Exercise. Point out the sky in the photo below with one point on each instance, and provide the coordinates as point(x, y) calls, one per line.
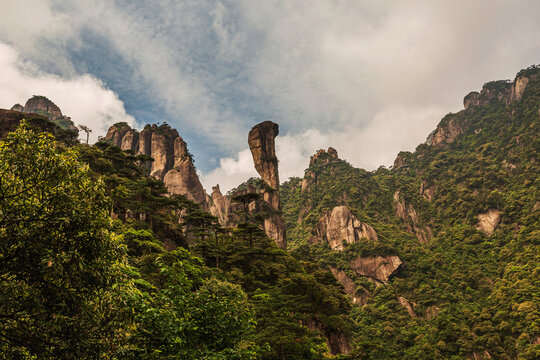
point(369, 78)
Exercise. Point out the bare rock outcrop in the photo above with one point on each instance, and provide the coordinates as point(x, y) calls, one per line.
point(172, 161)
point(41, 105)
point(262, 146)
point(379, 269)
point(407, 305)
point(340, 225)
point(518, 87)
point(336, 341)
point(447, 131)
point(412, 223)
point(358, 297)
point(488, 221)
point(503, 91)
point(220, 206)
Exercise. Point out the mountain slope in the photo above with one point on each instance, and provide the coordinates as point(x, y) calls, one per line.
point(461, 213)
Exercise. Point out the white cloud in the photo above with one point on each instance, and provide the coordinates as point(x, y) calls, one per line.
point(392, 130)
point(84, 98)
point(346, 74)
point(232, 171)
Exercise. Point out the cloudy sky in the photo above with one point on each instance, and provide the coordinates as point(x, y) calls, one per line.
point(369, 78)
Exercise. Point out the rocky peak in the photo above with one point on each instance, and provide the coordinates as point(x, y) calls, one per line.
point(17, 107)
point(323, 157)
point(41, 105)
point(220, 206)
point(262, 146)
point(505, 91)
point(172, 161)
point(340, 225)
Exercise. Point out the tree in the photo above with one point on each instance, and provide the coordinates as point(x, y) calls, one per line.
point(61, 269)
point(87, 130)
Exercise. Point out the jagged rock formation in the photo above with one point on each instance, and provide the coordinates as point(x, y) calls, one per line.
point(42, 106)
point(488, 221)
point(358, 297)
point(261, 143)
point(336, 341)
point(410, 217)
point(340, 225)
point(172, 161)
point(378, 269)
point(504, 91)
point(220, 206)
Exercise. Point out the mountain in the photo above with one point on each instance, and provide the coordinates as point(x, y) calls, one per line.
point(118, 248)
point(442, 249)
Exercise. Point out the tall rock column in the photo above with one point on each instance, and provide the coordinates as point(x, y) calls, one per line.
point(262, 146)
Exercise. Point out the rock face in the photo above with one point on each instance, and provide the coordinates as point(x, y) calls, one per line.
point(409, 215)
point(336, 341)
point(447, 131)
point(220, 206)
point(519, 87)
point(503, 91)
point(488, 221)
point(172, 161)
point(262, 146)
point(379, 268)
point(358, 297)
point(40, 105)
point(340, 225)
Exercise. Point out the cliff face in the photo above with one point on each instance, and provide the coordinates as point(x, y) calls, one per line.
point(262, 146)
point(341, 225)
point(172, 161)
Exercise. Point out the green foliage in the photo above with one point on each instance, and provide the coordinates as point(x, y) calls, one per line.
point(61, 269)
point(484, 288)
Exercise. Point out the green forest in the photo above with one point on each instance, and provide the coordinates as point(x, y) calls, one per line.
point(98, 261)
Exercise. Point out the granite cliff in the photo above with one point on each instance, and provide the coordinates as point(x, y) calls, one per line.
point(172, 161)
